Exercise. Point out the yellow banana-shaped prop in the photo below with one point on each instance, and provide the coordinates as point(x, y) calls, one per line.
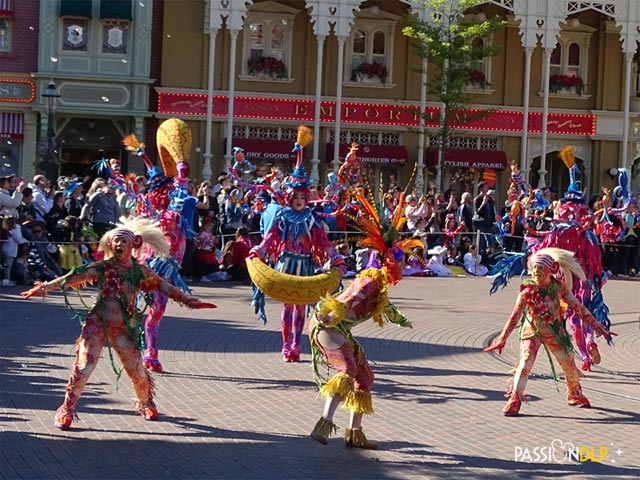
point(292, 289)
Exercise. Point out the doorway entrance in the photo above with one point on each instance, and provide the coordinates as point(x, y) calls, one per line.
point(83, 141)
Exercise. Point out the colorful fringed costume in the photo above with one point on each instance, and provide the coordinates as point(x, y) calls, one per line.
point(115, 316)
point(540, 309)
point(572, 230)
point(334, 317)
point(298, 245)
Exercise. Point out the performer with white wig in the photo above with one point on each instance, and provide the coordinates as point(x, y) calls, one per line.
point(540, 309)
point(115, 316)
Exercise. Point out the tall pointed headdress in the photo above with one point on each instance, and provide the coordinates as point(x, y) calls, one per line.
point(299, 178)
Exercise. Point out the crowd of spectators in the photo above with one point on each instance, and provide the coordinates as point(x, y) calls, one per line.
point(49, 229)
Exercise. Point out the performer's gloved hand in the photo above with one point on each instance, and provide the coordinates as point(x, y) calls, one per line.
point(256, 252)
point(602, 331)
point(194, 302)
point(37, 289)
point(497, 345)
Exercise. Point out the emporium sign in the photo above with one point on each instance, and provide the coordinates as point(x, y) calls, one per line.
point(302, 110)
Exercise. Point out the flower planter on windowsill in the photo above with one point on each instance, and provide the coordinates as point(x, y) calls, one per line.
point(351, 83)
point(569, 93)
point(265, 78)
point(478, 90)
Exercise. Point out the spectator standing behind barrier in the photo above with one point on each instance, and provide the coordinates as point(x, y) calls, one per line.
point(57, 213)
point(416, 211)
point(465, 211)
point(43, 194)
point(26, 210)
point(103, 210)
point(485, 217)
point(73, 198)
point(10, 195)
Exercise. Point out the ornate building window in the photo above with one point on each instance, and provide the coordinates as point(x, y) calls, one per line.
point(267, 36)
point(115, 36)
point(368, 50)
point(569, 62)
point(480, 70)
point(5, 34)
point(75, 34)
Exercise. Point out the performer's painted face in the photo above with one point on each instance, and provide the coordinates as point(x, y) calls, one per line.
point(541, 275)
point(298, 201)
point(121, 248)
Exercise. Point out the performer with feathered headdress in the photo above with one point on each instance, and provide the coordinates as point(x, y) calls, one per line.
point(366, 297)
point(115, 317)
point(298, 244)
point(540, 309)
point(169, 203)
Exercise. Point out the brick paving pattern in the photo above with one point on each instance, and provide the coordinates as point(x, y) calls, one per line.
point(231, 409)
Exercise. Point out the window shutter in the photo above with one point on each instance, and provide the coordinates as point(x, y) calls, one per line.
point(75, 8)
point(116, 9)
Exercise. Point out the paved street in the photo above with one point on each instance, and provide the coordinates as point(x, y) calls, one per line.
point(230, 408)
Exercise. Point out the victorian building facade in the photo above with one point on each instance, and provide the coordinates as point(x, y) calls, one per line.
point(247, 73)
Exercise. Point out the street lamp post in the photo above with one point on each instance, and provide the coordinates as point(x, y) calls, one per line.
point(48, 164)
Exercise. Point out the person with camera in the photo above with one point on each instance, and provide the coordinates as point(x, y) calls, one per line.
point(10, 195)
point(416, 212)
point(43, 194)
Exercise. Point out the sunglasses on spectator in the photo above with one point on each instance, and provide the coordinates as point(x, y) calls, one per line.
point(37, 231)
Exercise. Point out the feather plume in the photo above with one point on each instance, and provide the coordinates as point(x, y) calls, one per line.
point(304, 136)
point(132, 144)
point(567, 156)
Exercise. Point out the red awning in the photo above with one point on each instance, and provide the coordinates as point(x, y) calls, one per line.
point(462, 158)
point(6, 7)
point(384, 154)
point(11, 125)
point(267, 150)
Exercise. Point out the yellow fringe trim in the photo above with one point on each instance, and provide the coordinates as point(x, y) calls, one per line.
point(341, 385)
point(359, 401)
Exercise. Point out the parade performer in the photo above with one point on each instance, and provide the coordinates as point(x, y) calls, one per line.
point(168, 203)
point(298, 245)
point(572, 229)
point(540, 310)
point(115, 316)
point(332, 342)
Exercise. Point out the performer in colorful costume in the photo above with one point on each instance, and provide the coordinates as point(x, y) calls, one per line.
point(115, 317)
point(330, 327)
point(298, 244)
point(540, 310)
point(168, 203)
point(571, 230)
